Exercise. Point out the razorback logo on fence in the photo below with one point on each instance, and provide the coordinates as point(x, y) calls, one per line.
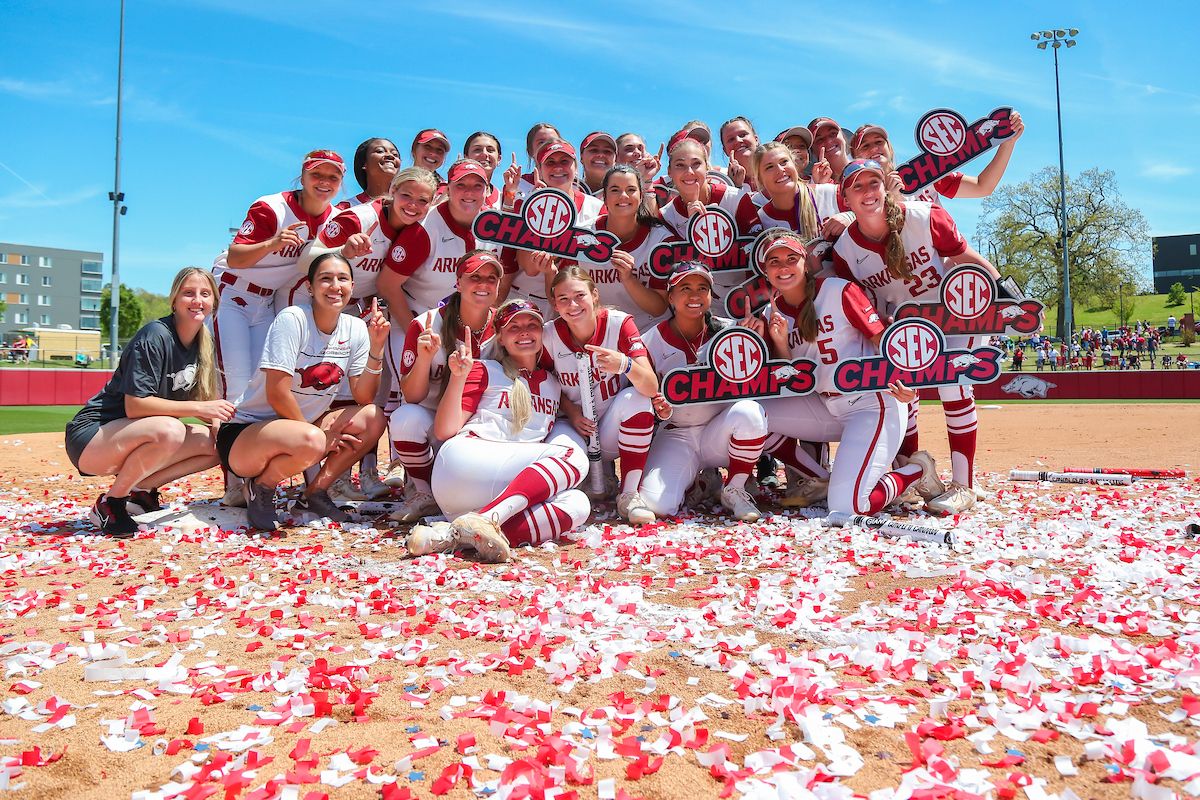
point(755, 293)
point(947, 142)
point(739, 367)
point(712, 240)
point(546, 224)
point(971, 304)
point(914, 353)
point(320, 376)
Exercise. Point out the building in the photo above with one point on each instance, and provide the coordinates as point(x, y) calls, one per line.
point(1176, 260)
point(46, 287)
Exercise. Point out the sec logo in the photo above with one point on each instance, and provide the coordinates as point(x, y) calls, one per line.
point(549, 214)
point(912, 345)
point(738, 356)
point(942, 132)
point(332, 229)
point(398, 253)
point(968, 292)
point(410, 358)
point(712, 232)
point(247, 228)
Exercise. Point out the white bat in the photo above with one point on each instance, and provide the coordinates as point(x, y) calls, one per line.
point(587, 404)
point(889, 527)
point(1067, 477)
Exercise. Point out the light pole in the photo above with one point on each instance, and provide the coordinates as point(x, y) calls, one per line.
point(1056, 39)
point(117, 197)
point(1121, 303)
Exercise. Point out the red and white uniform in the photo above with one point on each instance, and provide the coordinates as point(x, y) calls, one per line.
point(247, 293)
point(729, 435)
point(608, 279)
point(754, 218)
point(527, 482)
point(675, 213)
point(370, 216)
point(946, 186)
point(349, 202)
point(428, 256)
point(533, 287)
point(624, 417)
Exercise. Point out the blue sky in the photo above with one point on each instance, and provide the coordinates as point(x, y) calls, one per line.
point(222, 98)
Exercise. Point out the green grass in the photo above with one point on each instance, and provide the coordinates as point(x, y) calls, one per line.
point(1150, 307)
point(34, 419)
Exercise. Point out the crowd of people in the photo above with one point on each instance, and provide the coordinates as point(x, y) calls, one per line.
point(503, 378)
point(1126, 347)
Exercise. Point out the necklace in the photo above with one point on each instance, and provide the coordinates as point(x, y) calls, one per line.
point(694, 344)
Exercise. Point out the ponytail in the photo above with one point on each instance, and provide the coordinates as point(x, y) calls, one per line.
point(206, 386)
point(806, 321)
point(518, 396)
point(451, 324)
point(893, 254)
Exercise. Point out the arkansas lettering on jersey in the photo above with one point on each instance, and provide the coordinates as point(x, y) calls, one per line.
point(615, 330)
point(675, 212)
point(481, 347)
point(929, 236)
point(669, 350)
point(428, 257)
point(487, 396)
point(846, 323)
point(268, 216)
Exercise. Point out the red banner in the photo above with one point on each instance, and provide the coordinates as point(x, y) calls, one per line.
point(50, 387)
point(1167, 384)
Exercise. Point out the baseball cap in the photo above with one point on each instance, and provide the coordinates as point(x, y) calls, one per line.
point(860, 165)
point(552, 147)
point(472, 263)
point(821, 122)
point(597, 136)
point(698, 134)
point(431, 134)
point(863, 132)
point(513, 309)
point(685, 268)
point(787, 242)
point(317, 157)
point(464, 167)
point(797, 130)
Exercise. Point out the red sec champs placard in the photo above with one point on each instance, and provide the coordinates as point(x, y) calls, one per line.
point(947, 142)
point(755, 294)
point(712, 240)
point(739, 367)
point(546, 224)
point(971, 305)
point(914, 353)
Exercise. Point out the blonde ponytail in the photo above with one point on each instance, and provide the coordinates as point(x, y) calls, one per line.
point(518, 396)
point(893, 254)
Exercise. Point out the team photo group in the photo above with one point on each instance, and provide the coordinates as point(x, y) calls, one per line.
point(523, 334)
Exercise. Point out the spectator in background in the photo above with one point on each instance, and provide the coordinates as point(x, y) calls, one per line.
point(1041, 357)
point(1018, 358)
point(1088, 358)
point(1053, 358)
point(1172, 323)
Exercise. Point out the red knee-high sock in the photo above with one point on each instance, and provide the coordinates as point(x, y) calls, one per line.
point(544, 522)
point(961, 427)
point(891, 486)
point(909, 444)
point(743, 454)
point(789, 452)
point(417, 458)
point(633, 444)
point(535, 484)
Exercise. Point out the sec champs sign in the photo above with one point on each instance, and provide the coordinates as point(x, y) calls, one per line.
point(755, 294)
point(712, 240)
point(947, 142)
point(739, 367)
point(971, 304)
point(546, 224)
point(913, 351)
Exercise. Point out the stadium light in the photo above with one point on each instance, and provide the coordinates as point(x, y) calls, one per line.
point(119, 209)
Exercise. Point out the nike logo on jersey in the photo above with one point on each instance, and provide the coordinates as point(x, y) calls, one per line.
point(448, 239)
point(861, 259)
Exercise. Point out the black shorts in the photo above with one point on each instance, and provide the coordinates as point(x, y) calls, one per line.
point(227, 434)
point(78, 435)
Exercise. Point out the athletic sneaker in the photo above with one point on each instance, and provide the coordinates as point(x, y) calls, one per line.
point(112, 518)
point(143, 502)
point(416, 505)
point(436, 538)
point(930, 485)
point(235, 492)
point(260, 506)
point(957, 499)
point(633, 508)
point(371, 485)
point(395, 477)
point(483, 535)
point(321, 504)
point(808, 493)
point(343, 491)
point(739, 504)
point(705, 490)
point(766, 470)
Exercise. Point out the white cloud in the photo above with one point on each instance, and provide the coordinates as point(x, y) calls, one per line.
point(35, 198)
point(1165, 170)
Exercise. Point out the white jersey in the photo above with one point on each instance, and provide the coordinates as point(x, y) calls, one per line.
point(929, 237)
point(349, 202)
point(268, 216)
point(608, 279)
point(846, 323)
point(488, 396)
point(827, 199)
point(481, 347)
point(675, 213)
point(533, 287)
point(669, 350)
point(370, 216)
point(943, 187)
point(429, 257)
point(614, 330)
point(317, 362)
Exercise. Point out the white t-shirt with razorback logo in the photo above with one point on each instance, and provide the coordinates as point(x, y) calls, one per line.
point(317, 362)
point(488, 396)
point(268, 216)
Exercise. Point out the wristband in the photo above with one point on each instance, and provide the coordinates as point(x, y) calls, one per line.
point(370, 371)
point(374, 357)
point(627, 366)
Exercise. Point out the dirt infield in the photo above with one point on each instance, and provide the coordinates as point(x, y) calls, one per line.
point(1054, 650)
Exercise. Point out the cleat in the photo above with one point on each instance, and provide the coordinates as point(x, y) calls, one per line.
point(112, 518)
point(809, 493)
point(930, 485)
point(371, 485)
point(143, 502)
point(395, 477)
point(911, 498)
point(705, 490)
point(321, 504)
point(343, 491)
point(632, 508)
point(260, 506)
point(436, 538)
point(957, 499)
point(235, 493)
point(416, 505)
point(737, 501)
point(483, 535)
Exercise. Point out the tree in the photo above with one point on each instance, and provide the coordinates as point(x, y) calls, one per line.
point(153, 305)
point(130, 317)
point(1175, 295)
point(1108, 242)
